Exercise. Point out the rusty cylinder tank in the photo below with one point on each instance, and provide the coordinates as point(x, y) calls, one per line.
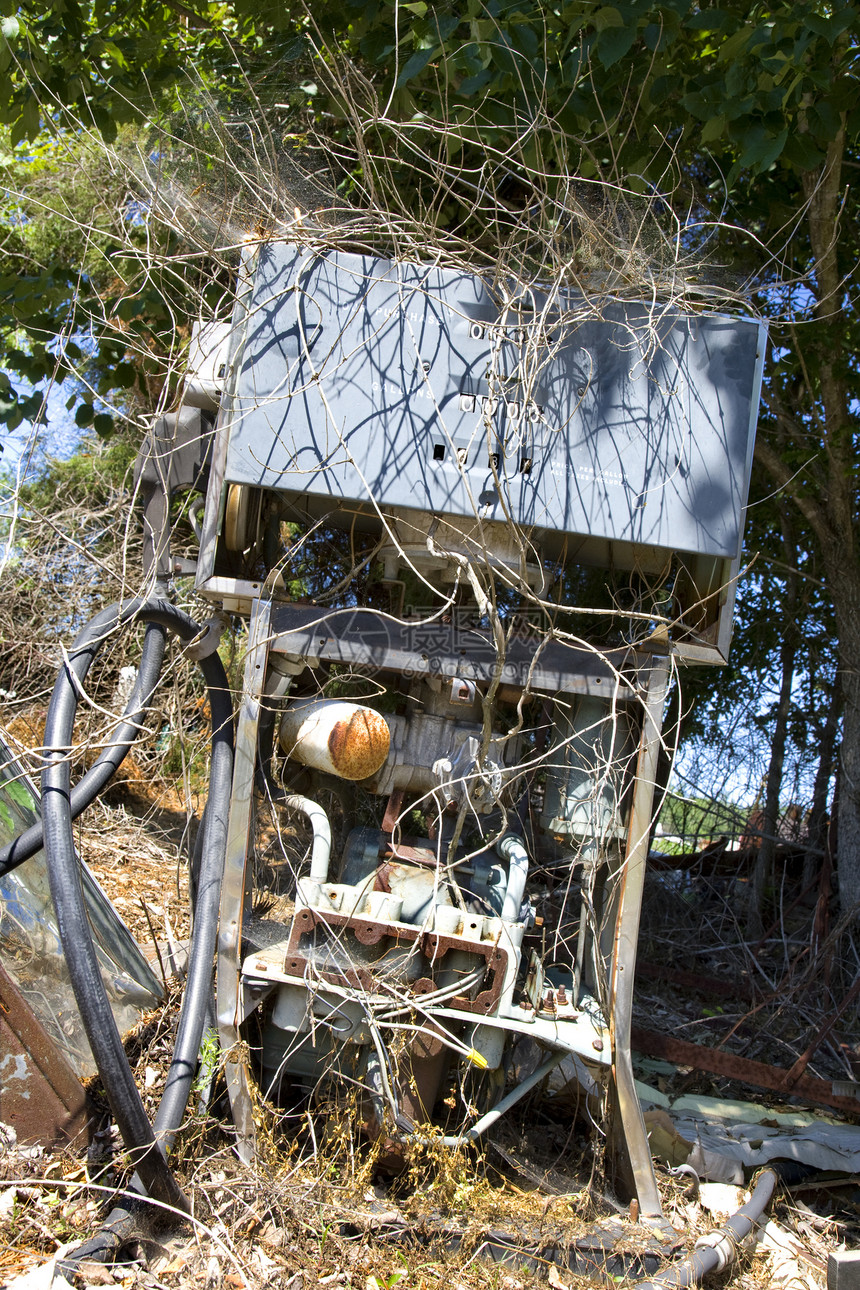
point(343, 739)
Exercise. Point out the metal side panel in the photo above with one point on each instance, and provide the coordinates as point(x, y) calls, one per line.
point(419, 646)
point(40, 1096)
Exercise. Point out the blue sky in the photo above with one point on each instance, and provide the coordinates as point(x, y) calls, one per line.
point(26, 448)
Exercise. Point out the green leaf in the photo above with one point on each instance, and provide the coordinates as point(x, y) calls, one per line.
point(713, 129)
point(28, 123)
point(824, 120)
point(471, 84)
point(732, 45)
point(662, 87)
point(115, 54)
point(416, 64)
point(833, 26)
point(444, 26)
point(14, 416)
point(84, 415)
point(709, 20)
point(607, 17)
point(698, 105)
point(104, 425)
point(21, 795)
point(736, 80)
point(614, 42)
point(129, 307)
point(573, 65)
point(802, 152)
point(523, 39)
point(124, 375)
point(763, 151)
point(658, 36)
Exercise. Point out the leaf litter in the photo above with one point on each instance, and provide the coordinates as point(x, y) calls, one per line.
point(315, 1210)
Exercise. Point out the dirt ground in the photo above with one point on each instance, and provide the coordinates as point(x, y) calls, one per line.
point(315, 1210)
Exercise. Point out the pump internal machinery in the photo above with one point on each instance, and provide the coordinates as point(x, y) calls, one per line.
point(471, 527)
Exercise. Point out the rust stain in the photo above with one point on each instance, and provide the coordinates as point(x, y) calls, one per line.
point(359, 747)
point(720, 1062)
point(40, 1095)
point(383, 879)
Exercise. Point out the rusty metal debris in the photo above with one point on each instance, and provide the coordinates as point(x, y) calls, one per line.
point(717, 1062)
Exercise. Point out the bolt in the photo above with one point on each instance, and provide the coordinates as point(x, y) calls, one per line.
point(561, 996)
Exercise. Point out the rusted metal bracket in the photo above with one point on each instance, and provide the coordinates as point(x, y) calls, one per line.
point(368, 932)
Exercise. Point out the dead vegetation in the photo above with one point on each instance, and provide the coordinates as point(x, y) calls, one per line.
point(316, 1210)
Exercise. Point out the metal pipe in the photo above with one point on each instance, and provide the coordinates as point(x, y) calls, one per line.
point(319, 822)
point(628, 1138)
point(716, 1250)
point(339, 738)
point(511, 849)
point(501, 1108)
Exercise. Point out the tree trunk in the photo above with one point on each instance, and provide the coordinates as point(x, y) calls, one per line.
point(763, 867)
point(848, 859)
point(845, 584)
point(819, 818)
point(827, 495)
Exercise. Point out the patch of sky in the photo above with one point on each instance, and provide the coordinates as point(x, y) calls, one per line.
point(54, 435)
point(28, 448)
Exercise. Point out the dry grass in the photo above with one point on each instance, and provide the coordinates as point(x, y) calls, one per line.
point(315, 1210)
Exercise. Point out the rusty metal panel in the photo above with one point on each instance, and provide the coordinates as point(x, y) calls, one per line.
point(40, 1095)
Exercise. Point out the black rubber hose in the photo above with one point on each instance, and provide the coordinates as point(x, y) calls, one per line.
point(127, 1222)
point(198, 987)
point(126, 1105)
point(122, 1226)
point(86, 791)
point(716, 1251)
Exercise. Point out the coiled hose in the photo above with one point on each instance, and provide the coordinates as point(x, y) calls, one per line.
point(145, 1142)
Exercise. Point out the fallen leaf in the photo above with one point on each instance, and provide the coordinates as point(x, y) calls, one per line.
point(96, 1274)
point(554, 1278)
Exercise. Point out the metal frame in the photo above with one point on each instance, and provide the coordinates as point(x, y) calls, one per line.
point(230, 1001)
point(298, 630)
point(627, 1139)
